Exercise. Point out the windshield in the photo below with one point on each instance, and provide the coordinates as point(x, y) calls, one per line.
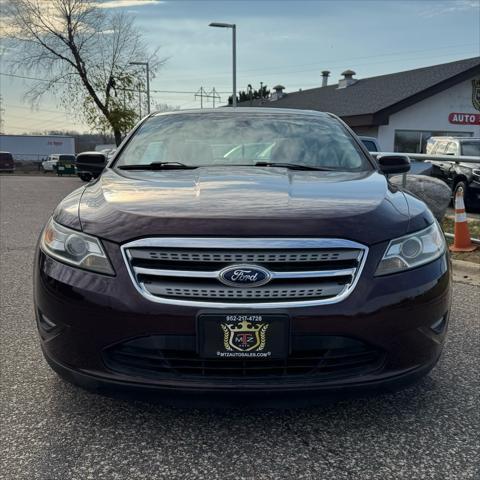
point(205, 139)
point(471, 149)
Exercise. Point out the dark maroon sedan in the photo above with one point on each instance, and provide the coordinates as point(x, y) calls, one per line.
point(259, 250)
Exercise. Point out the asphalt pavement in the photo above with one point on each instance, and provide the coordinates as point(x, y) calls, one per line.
point(51, 430)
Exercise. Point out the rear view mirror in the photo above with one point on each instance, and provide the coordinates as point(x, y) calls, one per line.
point(90, 164)
point(390, 164)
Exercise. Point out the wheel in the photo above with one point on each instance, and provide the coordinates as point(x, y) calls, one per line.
point(458, 185)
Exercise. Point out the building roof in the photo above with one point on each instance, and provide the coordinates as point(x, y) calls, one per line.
point(374, 95)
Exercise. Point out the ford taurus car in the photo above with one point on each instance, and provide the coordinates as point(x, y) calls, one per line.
point(181, 268)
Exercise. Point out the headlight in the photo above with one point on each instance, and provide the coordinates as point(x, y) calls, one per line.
point(476, 174)
point(75, 248)
point(412, 250)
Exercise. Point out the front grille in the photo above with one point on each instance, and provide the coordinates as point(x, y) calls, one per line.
point(319, 358)
point(242, 257)
point(187, 270)
point(165, 288)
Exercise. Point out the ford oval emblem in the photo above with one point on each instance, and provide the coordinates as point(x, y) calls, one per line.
point(244, 276)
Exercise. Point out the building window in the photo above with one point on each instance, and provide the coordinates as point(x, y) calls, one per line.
point(415, 141)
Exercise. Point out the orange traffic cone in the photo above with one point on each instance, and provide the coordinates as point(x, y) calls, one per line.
point(462, 241)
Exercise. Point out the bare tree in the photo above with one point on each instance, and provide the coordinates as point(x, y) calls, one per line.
point(85, 53)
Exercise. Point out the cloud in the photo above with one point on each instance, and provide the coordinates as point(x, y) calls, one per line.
point(8, 29)
point(127, 3)
point(444, 8)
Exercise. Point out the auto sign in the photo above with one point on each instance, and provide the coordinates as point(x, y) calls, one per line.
point(464, 118)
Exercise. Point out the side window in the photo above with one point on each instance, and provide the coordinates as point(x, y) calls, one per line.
point(431, 146)
point(371, 147)
point(451, 149)
point(441, 148)
point(407, 141)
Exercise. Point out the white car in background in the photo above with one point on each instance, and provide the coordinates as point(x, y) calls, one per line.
point(416, 167)
point(50, 165)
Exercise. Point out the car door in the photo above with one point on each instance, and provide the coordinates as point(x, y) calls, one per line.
point(440, 168)
point(449, 167)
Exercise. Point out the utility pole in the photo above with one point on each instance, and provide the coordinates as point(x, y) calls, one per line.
point(147, 67)
point(201, 93)
point(148, 87)
point(140, 99)
point(234, 48)
point(214, 96)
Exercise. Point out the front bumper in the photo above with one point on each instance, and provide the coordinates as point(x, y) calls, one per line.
point(81, 314)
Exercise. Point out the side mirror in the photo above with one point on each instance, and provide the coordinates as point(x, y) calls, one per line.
point(90, 164)
point(390, 164)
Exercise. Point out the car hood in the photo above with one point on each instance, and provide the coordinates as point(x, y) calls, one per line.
point(247, 201)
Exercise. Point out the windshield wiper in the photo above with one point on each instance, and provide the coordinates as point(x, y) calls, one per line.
point(158, 166)
point(292, 166)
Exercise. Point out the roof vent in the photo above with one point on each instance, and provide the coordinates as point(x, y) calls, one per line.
point(325, 75)
point(347, 79)
point(278, 94)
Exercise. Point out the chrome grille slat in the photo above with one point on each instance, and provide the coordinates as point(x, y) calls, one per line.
point(186, 271)
point(196, 291)
point(172, 255)
point(344, 272)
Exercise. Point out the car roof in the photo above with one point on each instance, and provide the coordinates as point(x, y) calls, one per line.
point(476, 139)
point(92, 152)
point(243, 110)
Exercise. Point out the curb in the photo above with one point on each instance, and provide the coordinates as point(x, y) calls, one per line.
point(466, 272)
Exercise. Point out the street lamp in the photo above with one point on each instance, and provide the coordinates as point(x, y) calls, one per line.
point(234, 52)
point(147, 66)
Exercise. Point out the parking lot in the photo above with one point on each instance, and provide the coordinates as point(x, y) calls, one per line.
point(51, 430)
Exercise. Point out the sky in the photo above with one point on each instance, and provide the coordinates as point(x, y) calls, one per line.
point(278, 42)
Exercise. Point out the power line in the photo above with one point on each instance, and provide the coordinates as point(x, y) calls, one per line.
point(268, 70)
point(23, 77)
point(203, 93)
point(362, 58)
point(215, 96)
point(326, 63)
point(342, 64)
point(303, 85)
point(34, 110)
